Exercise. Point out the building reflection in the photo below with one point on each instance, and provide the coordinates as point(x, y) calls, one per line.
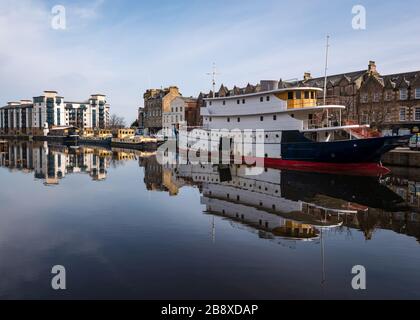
point(51, 163)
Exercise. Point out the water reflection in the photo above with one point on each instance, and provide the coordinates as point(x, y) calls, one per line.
point(275, 204)
point(291, 204)
point(189, 224)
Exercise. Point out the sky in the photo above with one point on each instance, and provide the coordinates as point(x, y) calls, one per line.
point(121, 48)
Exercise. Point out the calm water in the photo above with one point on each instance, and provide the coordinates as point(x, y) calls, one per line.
point(126, 227)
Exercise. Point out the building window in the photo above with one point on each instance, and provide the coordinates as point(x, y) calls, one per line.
point(243, 101)
point(313, 95)
point(261, 118)
point(274, 118)
point(299, 95)
point(268, 98)
point(239, 119)
point(306, 94)
point(261, 99)
point(417, 114)
point(403, 94)
point(290, 95)
point(364, 98)
point(238, 101)
point(403, 114)
point(58, 117)
point(417, 93)
point(224, 102)
point(376, 97)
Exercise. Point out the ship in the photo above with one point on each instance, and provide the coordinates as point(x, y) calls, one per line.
point(293, 130)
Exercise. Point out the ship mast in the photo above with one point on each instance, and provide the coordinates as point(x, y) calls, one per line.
point(213, 74)
point(326, 69)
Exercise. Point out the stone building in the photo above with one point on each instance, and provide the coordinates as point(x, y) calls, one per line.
point(156, 102)
point(388, 102)
point(140, 118)
point(184, 112)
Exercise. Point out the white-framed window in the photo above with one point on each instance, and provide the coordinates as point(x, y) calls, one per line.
point(403, 114)
point(417, 114)
point(417, 93)
point(376, 97)
point(403, 94)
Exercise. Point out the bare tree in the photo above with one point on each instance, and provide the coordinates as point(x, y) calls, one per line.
point(116, 122)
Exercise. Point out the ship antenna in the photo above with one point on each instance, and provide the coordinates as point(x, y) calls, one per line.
point(213, 74)
point(326, 70)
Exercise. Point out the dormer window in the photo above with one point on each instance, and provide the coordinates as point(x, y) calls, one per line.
point(403, 94)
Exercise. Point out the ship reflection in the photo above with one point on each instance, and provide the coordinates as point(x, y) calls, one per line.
point(274, 204)
point(293, 205)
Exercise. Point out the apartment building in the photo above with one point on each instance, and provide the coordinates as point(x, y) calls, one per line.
point(30, 117)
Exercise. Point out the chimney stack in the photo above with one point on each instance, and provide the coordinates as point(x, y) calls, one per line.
point(307, 76)
point(372, 67)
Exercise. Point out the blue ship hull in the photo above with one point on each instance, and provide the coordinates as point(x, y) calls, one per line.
point(296, 147)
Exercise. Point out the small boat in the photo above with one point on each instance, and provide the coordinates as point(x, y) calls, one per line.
point(136, 142)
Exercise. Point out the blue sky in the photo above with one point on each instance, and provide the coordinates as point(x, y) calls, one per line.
point(121, 48)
